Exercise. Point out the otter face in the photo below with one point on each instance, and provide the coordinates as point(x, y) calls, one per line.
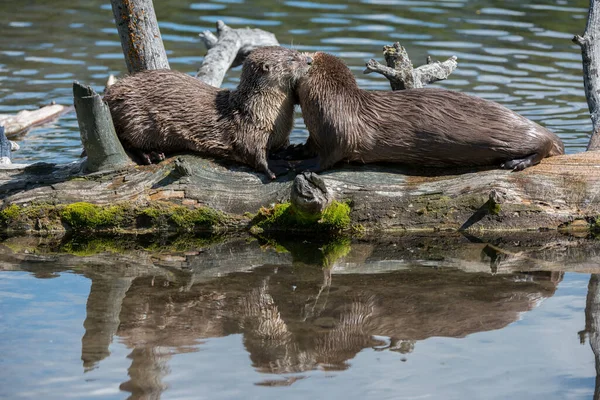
point(329, 71)
point(274, 65)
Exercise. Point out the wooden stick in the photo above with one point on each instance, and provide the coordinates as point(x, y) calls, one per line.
point(5, 148)
point(590, 52)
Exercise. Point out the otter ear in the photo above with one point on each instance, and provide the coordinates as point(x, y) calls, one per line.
point(266, 67)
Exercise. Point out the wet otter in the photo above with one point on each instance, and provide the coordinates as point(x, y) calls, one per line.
point(423, 127)
point(165, 111)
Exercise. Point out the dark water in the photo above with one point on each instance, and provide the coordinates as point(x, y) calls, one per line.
point(398, 318)
point(518, 53)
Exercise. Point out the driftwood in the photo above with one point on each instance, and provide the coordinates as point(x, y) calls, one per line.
point(5, 148)
point(590, 51)
point(24, 120)
point(229, 49)
point(551, 195)
point(401, 73)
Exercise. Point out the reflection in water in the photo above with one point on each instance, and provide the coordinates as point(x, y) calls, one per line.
point(300, 316)
point(592, 325)
point(304, 305)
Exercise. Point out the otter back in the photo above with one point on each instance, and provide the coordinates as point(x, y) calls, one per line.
point(426, 127)
point(166, 111)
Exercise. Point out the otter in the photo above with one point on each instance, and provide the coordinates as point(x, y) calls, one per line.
point(165, 111)
point(417, 127)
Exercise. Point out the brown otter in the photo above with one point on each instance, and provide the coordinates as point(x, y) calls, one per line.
point(423, 127)
point(165, 111)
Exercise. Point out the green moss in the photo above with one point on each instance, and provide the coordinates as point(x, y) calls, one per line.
point(337, 215)
point(91, 216)
point(182, 217)
point(83, 216)
point(358, 229)
point(10, 213)
point(286, 217)
point(494, 208)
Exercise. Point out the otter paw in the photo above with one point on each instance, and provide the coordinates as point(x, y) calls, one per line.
point(278, 167)
point(157, 157)
point(519, 164)
point(145, 158)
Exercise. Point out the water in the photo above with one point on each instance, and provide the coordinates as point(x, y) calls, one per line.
point(215, 318)
point(518, 53)
point(405, 317)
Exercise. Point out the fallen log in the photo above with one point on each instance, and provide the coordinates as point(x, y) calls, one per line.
point(551, 195)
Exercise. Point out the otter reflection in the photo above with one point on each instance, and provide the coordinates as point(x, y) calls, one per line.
point(300, 317)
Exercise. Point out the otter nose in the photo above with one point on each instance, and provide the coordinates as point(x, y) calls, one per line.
point(309, 60)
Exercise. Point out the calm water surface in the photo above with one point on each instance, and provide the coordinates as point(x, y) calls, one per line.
point(518, 53)
point(405, 317)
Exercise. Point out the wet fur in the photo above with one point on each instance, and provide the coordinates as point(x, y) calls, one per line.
point(168, 111)
point(424, 127)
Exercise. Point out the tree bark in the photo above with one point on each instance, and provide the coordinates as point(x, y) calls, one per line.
point(590, 51)
point(140, 36)
point(229, 49)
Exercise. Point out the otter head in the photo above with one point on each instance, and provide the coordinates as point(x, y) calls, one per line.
point(275, 66)
point(329, 73)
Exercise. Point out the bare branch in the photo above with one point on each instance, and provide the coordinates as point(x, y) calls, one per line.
point(229, 49)
point(401, 73)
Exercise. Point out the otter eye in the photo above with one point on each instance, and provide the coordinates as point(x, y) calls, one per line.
point(309, 60)
point(266, 67)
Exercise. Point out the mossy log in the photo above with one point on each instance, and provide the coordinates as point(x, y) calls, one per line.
point(560, 193)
